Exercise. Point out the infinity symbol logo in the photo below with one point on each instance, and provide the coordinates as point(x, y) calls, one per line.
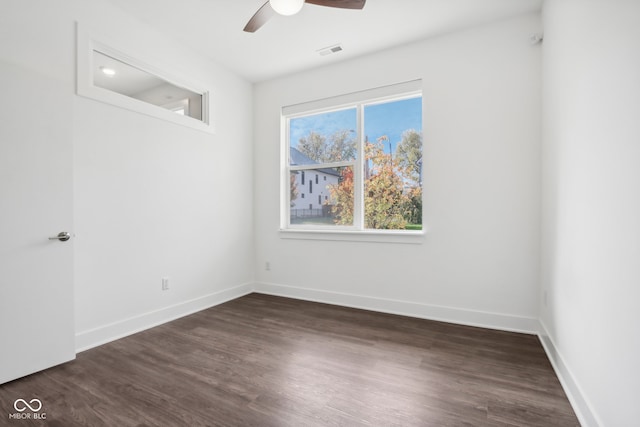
point(37, 405)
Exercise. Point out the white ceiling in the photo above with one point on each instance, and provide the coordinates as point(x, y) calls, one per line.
point(288, 44)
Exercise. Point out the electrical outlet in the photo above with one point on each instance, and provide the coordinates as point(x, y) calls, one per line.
point(165, 283)
point(267, 266)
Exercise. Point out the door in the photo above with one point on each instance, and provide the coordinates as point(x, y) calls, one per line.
point(36, 193)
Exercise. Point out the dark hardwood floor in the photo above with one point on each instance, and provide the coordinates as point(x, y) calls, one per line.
point(268, 361)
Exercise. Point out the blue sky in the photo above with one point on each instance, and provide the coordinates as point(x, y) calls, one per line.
point(391, 119)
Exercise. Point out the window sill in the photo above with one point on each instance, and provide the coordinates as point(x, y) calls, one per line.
point(378, 236)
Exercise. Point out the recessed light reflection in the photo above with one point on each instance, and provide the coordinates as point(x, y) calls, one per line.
point(108, 71)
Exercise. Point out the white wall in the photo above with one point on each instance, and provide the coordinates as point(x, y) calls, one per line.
point(152, 198)
point(591, 204)
point(155, 199)
point(479, 262)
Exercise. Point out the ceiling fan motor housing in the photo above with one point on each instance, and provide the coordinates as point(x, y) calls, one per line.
point(287, 7)
point(291, 7)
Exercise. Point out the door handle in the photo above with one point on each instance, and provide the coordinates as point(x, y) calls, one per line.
point(63, 236)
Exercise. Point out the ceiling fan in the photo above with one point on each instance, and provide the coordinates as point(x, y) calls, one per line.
point(291, 7)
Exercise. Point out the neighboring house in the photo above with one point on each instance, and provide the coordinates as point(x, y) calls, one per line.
point(312, 185)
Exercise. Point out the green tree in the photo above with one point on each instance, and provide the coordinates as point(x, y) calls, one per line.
point(384, 198)
point(409, 155)
point(340, 146)
point(314, 146)
point(412, 209)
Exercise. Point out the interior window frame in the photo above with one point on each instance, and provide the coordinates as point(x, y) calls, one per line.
point(87, 43)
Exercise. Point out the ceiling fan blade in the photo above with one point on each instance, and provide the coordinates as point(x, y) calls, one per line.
point(260, 18)
point(342, 4)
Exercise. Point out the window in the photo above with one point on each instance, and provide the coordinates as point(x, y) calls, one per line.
point(121, 77)
point(114, 74)
point(368, 149)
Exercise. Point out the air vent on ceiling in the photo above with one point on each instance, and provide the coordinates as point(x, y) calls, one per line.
point(329, 50)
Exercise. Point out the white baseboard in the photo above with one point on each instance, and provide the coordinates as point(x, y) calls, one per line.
point(572, 389)
point(113, 331)
point(482, 319)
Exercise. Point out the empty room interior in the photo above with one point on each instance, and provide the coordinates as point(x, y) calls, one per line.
point(331, 212)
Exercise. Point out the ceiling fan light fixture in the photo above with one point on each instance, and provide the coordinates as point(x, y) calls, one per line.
point(286, 7)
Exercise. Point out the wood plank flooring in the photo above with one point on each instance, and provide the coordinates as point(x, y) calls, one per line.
point(268, 361)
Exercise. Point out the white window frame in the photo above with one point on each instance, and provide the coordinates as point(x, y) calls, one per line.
point(87, 42)
point(357, 231)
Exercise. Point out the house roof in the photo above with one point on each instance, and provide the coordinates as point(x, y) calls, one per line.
point(296, 158)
